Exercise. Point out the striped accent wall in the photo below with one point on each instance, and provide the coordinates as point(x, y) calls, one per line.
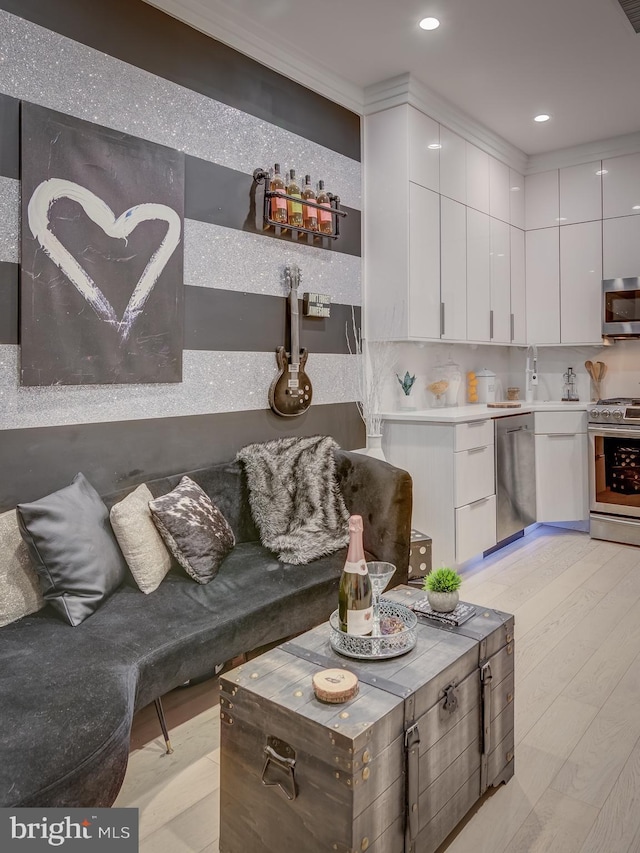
point(107, 62)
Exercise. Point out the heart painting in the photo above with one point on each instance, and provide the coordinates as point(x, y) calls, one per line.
point(102, 254)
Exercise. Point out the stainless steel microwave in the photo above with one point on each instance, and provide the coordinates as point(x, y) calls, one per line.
point(621, 307)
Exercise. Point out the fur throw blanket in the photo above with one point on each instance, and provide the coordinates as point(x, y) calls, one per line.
point(294, 497)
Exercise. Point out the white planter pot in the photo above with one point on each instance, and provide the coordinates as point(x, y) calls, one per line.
point(374, 447)
point(443, 602)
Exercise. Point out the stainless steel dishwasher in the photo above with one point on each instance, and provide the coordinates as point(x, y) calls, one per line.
point(515, 474)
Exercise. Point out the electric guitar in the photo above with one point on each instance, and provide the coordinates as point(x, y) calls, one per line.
point(290, 392)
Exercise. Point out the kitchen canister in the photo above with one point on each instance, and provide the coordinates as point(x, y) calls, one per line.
point(486, 385)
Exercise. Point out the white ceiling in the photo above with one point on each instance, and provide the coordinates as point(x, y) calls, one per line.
point(499, 61)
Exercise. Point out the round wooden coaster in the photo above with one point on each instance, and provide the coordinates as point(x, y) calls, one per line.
point(335, 685)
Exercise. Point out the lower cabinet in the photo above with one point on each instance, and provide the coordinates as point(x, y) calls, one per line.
point(562, 490)
point(453, 472)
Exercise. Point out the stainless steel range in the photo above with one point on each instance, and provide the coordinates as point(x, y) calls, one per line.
point(614, 469)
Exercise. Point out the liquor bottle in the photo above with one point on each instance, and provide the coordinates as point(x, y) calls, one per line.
point(309, 214)
point(278, 205)
point(325, 219)
point(293, 207)
point(355, 596)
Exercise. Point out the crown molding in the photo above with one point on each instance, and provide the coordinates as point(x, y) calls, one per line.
point(406, 89)
point(242, 33)
point(602, 149)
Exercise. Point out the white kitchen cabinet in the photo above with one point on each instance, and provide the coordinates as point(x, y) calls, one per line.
point(443, 477)
point(581, 193)
point(516, 199)
point(621, 186)
point(581, 283)
point(500, 281)
point(424, 263)
point(562, 492)
point(453, 269)
point(478, 275)
point(477, 178)
point(621, 247)
point(518, 286)
point(453, 166)
point(424, 161)
point(499, 194)
point(542, 200)
point(543, 285)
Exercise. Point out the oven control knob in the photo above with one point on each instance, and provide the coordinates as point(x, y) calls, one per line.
point(618, 413)
point(606, 414)
point(594, 413)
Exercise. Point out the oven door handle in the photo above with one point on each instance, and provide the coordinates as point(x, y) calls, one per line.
point(614, 432)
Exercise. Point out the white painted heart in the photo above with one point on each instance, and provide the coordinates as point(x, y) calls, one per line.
point(38, 215)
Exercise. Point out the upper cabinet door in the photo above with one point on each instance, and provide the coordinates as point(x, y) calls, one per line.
point(621, 247)
point(516, 199)
point(453, 166)
point(424, 150)
point(500, 331)
point(518, 289)
point(581, 283)
point(477, 178)
point(453, 269)
point(621, 186)
point(581, 193)
point(478, 275)
point(542, 200)
point(498, 190)
point(543, 286)
point(424, 263)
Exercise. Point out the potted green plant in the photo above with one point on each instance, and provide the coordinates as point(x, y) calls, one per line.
point(442, 587)
point(406, 383)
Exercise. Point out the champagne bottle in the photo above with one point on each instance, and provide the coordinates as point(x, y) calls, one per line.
point(294, 208)
point(325, 218)
point(309, 214)
point(278, 205)
point(355, 597)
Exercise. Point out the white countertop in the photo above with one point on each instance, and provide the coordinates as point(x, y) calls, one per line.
point(478, 411)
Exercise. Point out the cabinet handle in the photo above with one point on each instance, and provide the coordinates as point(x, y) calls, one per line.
point(476, 449)
point(491, 325)
point(513, 325)
point(441, 319)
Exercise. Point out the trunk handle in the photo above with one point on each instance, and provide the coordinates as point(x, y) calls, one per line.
point(287, 762)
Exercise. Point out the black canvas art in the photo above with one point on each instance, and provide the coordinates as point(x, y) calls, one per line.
point(102, 254)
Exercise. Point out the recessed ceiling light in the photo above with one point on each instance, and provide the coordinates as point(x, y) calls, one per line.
point(636, 207)
point(434, 146)
point(561, 218)
point(515, 189)
point(542, 117)
point(602, 172)
point(429, 24)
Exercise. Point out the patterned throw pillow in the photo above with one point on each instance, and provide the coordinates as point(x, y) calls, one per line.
point(139, 540)
point(196, 532)
point(19, 587)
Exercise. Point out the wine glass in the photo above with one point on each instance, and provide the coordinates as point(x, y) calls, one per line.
point(380, 573)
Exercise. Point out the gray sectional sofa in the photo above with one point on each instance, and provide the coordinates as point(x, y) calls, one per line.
point(68, 695)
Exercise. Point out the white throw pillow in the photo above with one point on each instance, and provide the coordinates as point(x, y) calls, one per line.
point(20, 592)
point(143, 548)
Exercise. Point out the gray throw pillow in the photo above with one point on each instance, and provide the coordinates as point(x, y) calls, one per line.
point(196, 532)
point(73, 549)
point(138, 537)
point(19, 588)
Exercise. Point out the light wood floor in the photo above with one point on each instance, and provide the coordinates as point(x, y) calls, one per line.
point(577, 782)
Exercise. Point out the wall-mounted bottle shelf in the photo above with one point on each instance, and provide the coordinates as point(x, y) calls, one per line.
point(261, 176)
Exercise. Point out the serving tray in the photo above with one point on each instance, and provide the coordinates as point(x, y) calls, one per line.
point(376, 646)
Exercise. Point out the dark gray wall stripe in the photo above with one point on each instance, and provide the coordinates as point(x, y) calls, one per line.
point(223, 196)
point(137, 33)
point(9, 137)
point(249, 322)
point(218, 319)
point(9, 320)
point(35, 462)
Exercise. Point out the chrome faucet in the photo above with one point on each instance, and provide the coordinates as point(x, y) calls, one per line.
point(531, 373)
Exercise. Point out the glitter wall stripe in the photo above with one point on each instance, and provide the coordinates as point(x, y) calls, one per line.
point(9, 220)
point(37, 461)
point(225, 320)
point(152, 40)
point(212, 382)
point(48, 69)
